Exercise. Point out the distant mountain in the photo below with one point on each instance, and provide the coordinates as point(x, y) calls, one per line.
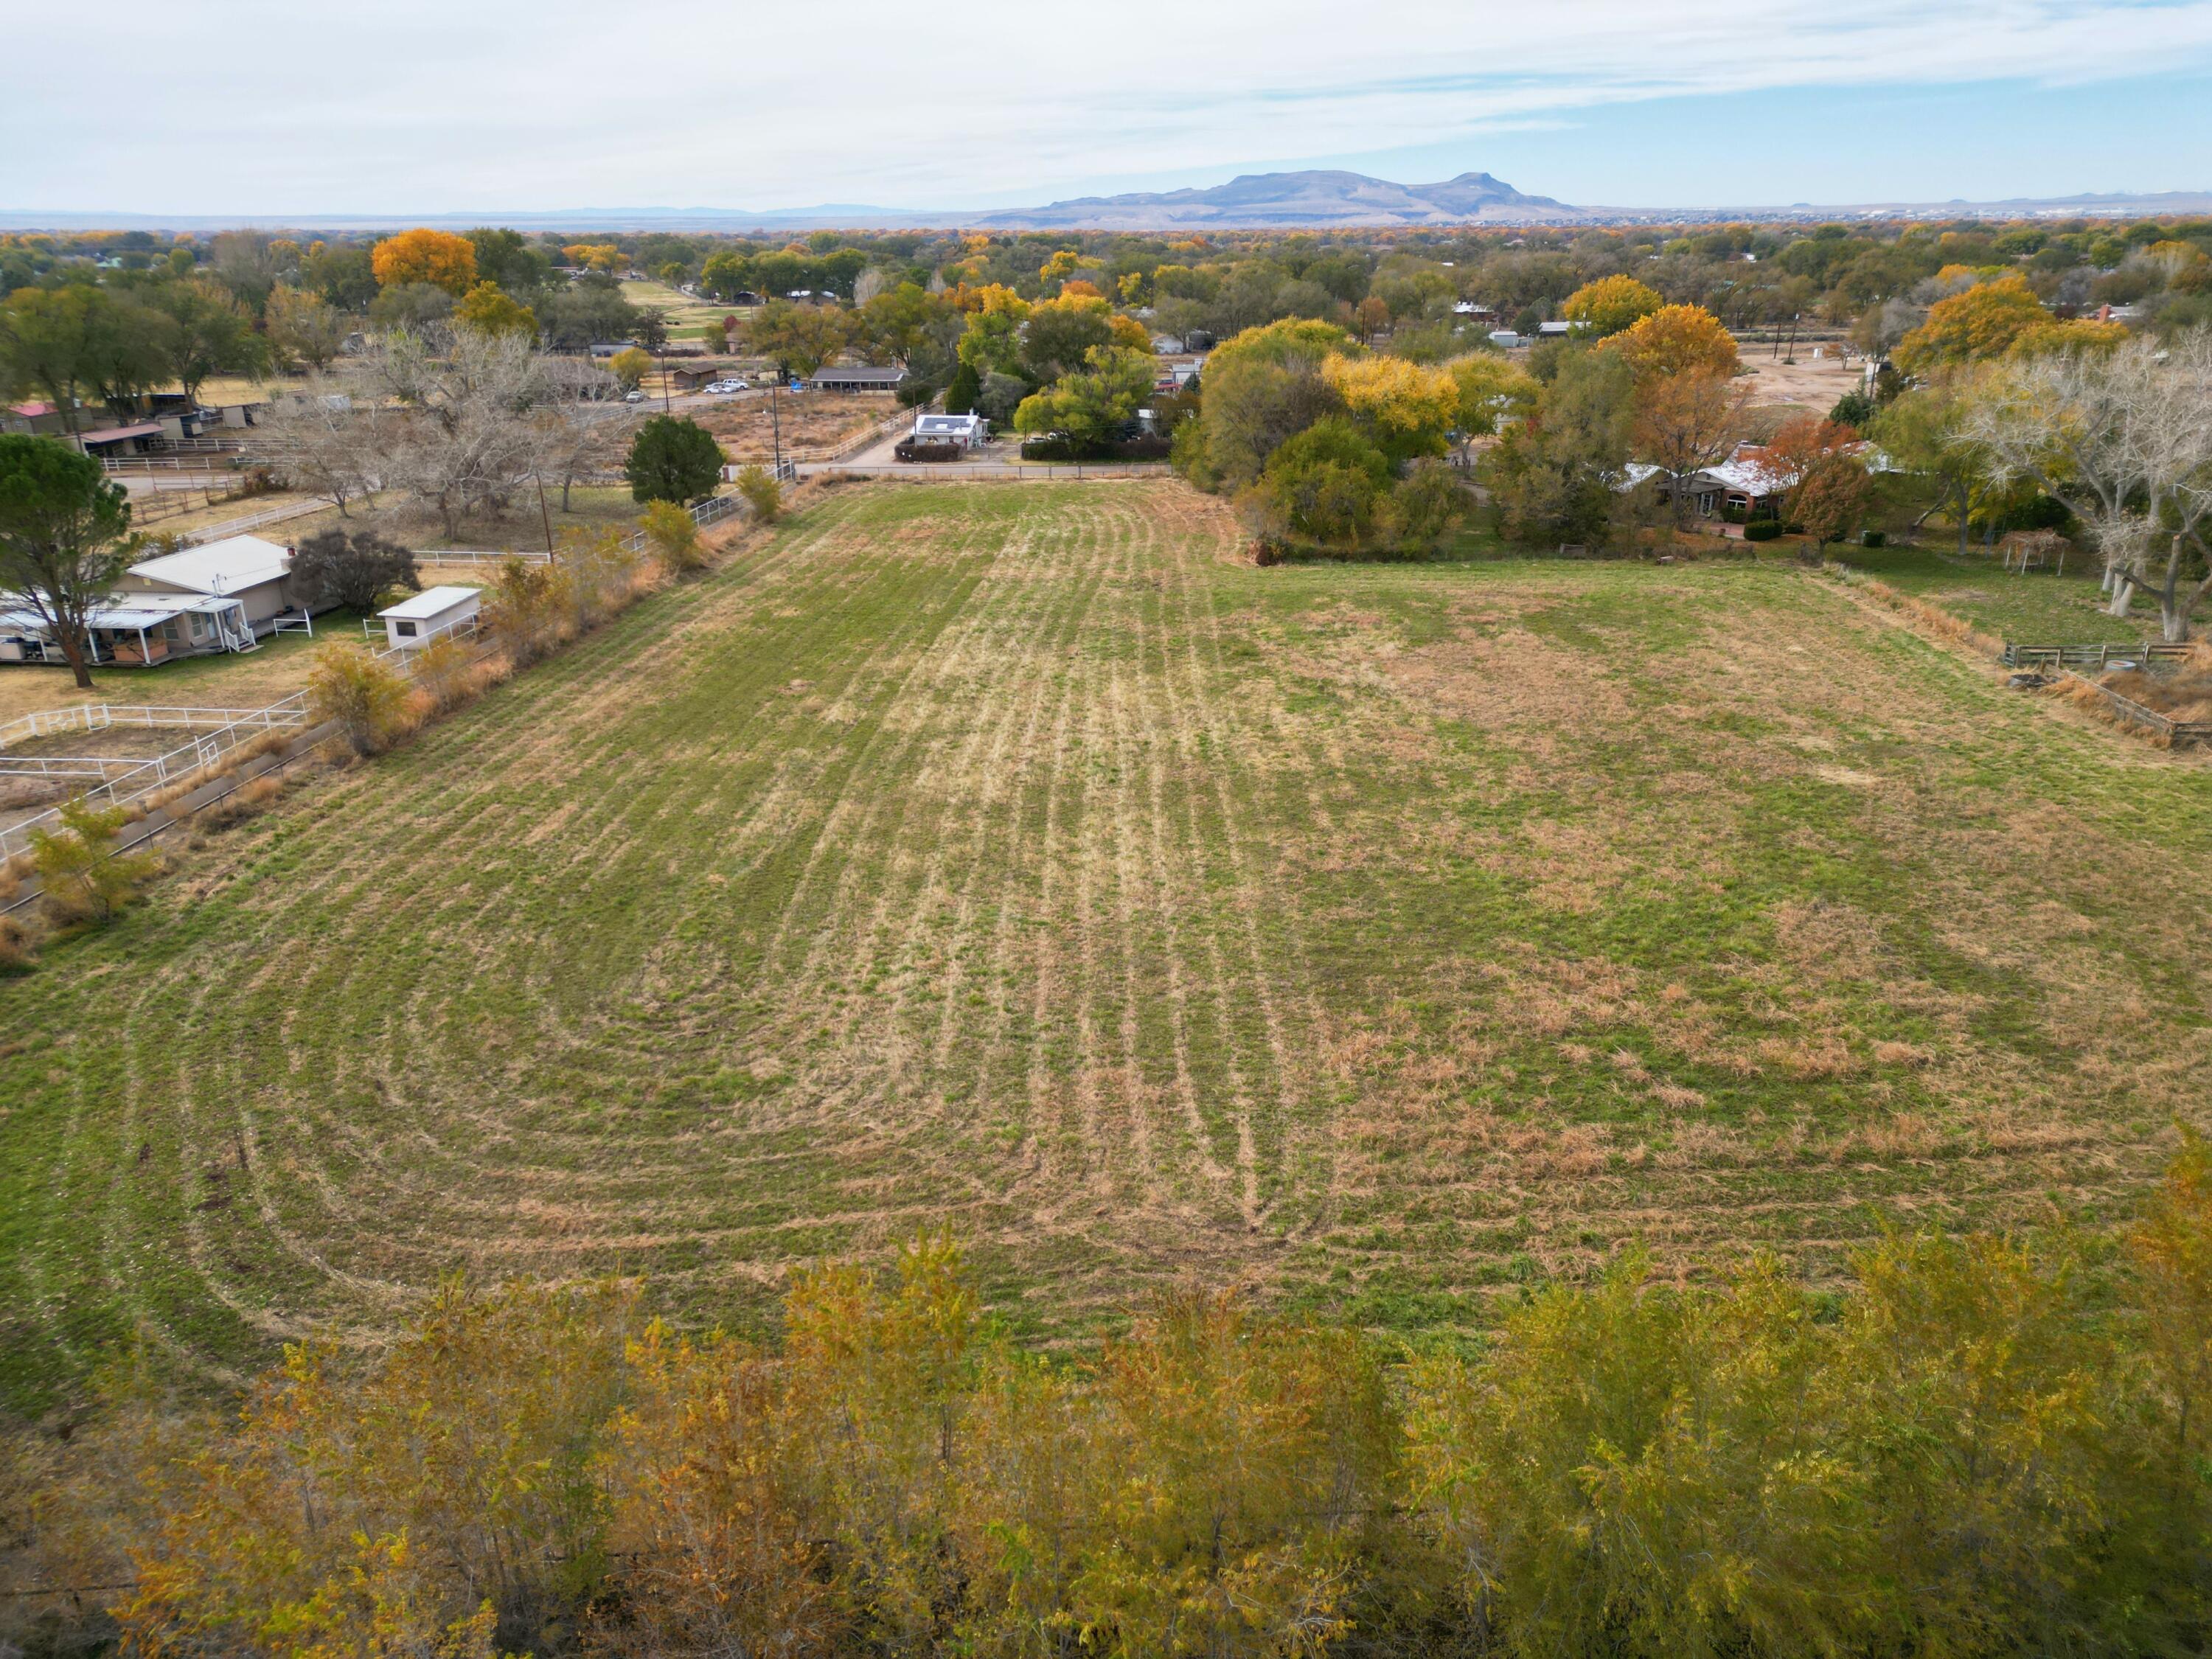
point(1258, 201)
point(1254, 201)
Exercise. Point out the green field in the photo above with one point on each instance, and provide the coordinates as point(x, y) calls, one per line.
point(2039, 608)
point(1016, 856)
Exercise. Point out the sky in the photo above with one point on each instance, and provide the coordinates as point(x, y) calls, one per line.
point(458, 107)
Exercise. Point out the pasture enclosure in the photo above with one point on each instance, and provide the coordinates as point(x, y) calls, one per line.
point(1015, 856)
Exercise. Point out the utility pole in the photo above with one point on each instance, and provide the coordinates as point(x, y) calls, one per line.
point(775, 420)
point(666, 408)
point(539, 478)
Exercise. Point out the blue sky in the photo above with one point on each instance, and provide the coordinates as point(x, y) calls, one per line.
point(398, 106)
point(1978, 141)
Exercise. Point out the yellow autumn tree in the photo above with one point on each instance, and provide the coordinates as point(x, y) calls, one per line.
point(1405, 409)
point(1611, 304)
point(1984, 322)
point(490, 309)
point(436, 257)
point(1676, 340)
point(592, 256)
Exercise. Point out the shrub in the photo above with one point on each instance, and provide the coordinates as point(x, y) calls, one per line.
point(368, 699)
point(1854, 409)
point(1761, 530)
point(926, 449)
point(1429, 503)
point(1977, 1446)
point(673, 535)
point(353, 570)
point(763, 493)
point(1325, 486)
point(81, 874)
point(524, 608)
point(18, 949)
point(1057, 447)
point(442, 669)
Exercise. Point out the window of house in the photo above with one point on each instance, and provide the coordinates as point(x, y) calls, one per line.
point(169, 630)
point(406, 629)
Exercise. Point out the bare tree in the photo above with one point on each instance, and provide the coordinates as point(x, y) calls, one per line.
point(2124, 439)
point(468, 440)
point(580, 421)
point(329, 442)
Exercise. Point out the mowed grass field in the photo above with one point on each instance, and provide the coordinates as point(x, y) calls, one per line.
point(1014, 857)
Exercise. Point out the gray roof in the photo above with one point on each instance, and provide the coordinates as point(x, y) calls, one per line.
point(876, 376)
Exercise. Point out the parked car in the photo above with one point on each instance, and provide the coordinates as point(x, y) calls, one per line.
point(633, 397)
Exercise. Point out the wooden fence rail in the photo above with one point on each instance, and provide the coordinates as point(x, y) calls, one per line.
point(2101, 656)
point(2131, 713)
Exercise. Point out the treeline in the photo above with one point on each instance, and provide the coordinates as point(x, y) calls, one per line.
point(1980, 1446)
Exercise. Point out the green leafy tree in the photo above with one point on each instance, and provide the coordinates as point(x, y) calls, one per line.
point(1429, 505)
point(1259, 388)
point(58, 341)
point(507, 258)
point(62, 546)
point(1095, 402)
point(1061, 335)
point(674, 460)
point(209, 333)
point(1552, 479)
point(961, 394)
point(1325, 486)
point(900, 322)
point(800, 339)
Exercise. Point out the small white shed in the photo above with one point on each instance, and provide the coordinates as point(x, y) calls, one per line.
point(432, 614)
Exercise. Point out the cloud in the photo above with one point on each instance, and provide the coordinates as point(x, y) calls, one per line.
point(407, 105)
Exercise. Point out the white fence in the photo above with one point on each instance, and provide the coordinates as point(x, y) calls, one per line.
point(217, 532)
point(98, 716)
point(457, 555)
point(964, 471)
point(141, 778)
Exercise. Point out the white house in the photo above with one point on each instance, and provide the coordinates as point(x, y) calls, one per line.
point(245, 569)
point(432, 614)
point(966, 430)
point(131, 632)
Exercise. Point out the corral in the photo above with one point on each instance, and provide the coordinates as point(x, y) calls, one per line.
point(1016, 856)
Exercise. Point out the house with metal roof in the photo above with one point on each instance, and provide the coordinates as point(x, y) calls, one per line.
point(129, 632)
point(244, 568)
point(966, 430)
point(847, 377)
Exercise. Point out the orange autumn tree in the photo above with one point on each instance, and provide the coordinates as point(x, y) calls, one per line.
point(423, 255)
point(1833, 489)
